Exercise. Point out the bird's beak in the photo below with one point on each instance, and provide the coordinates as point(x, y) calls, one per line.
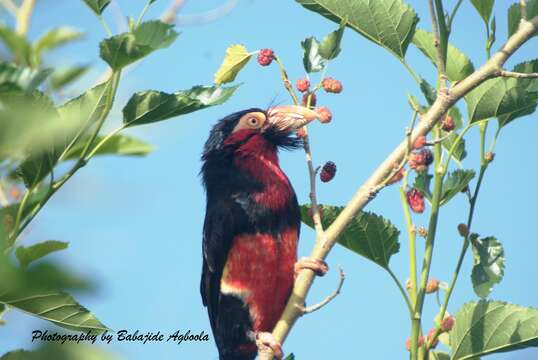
point(290, 118)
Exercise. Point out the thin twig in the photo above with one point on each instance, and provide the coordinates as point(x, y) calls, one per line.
point(441, 66)
point(513, 74)
point(170, 14)
point(328, 299)
point(362, 197)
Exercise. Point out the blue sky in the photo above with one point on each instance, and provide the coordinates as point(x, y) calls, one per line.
point(134, 224)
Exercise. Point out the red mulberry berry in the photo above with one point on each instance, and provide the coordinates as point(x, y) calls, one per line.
point(328, 171)
point(415, 199)
point(302, 84)
point(433, 343)
point(265, 57)
point(324, 114)
point(423, 157)
point(312, 99)
point(331, 85)
point(448, 124)
point(432, 286)
point(420, 142)
point(448, 323)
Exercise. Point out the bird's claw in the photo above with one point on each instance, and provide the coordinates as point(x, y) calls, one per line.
point(320, 267)
point(266, 340)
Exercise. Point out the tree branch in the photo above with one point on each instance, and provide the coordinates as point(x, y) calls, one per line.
point(523, 6)
point(362, 197)
point(328, 299)
point(24, 15)
point(513, 74)
point(10, 6)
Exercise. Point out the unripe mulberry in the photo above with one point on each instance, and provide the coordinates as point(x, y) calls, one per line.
point(265, 57)
point(324, 114)
point(415, 199)
point(422, 231)
point(432, 286)
point(448, 323)
point(312, 99)
point(430, 338)
point(302, 84)
point(328, 171)
point(489, 156)
point(448, 124)
point(331, 85)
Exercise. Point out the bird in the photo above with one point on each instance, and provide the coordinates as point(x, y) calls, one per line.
point(251, 228)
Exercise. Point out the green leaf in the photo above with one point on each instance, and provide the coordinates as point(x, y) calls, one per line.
point(388, 23)
point(123, 49)
point(312, 60)
point(484, 8)
point(488, 269)
point(54, 39)
point(488, 327)
point(17, 44)
point(290, 357)
point(530, 86)
point(459, 152)
point(499, 97)
point(458, 65)
point(151, 106)
point(116, 145)
point(514, 15)
point(329, 48)
point(57, 307)
point(454, 183)
point(63, 77)
point(368, 234)
point(9, 213)
point(422, 184)
point(235, 59)
point(88, 107)
point(97, 6)
point(428, 91)
point(27, 255)
point(25, 78)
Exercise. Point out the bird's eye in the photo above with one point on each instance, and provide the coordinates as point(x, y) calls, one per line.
point(253, 121)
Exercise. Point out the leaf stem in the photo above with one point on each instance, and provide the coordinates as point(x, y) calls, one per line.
point(105, 25)
point(402, 290)
point(286, 80)
point(412, 235)
point(410, 70)
point(143, 12)
point(453, 15)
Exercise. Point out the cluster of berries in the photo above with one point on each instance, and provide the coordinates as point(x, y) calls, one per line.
point(432, 338)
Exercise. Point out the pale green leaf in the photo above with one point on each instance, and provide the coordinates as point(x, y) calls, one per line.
point(25, 78)
point(63, 77)
point(388, 23)
point(20, 48)
point(27, 255)
point(152, 106)
point(368, 234)
point(422, 184)
point(487, 327)
point(235, 59)
point(55, 38)
point(488, 268)
point(329, 48)
point(438, 355)
point(123, 49)
point(57, 307)
point(484, 8)
point(458, 65)
point(116, 145)
point(312, 60)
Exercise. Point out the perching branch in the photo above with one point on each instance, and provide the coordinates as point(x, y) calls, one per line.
point(523, 6)
point(362, 197)
point(24, 15)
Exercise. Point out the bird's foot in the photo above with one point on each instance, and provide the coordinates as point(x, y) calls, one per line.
point(265, 340)
point(320, 267)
